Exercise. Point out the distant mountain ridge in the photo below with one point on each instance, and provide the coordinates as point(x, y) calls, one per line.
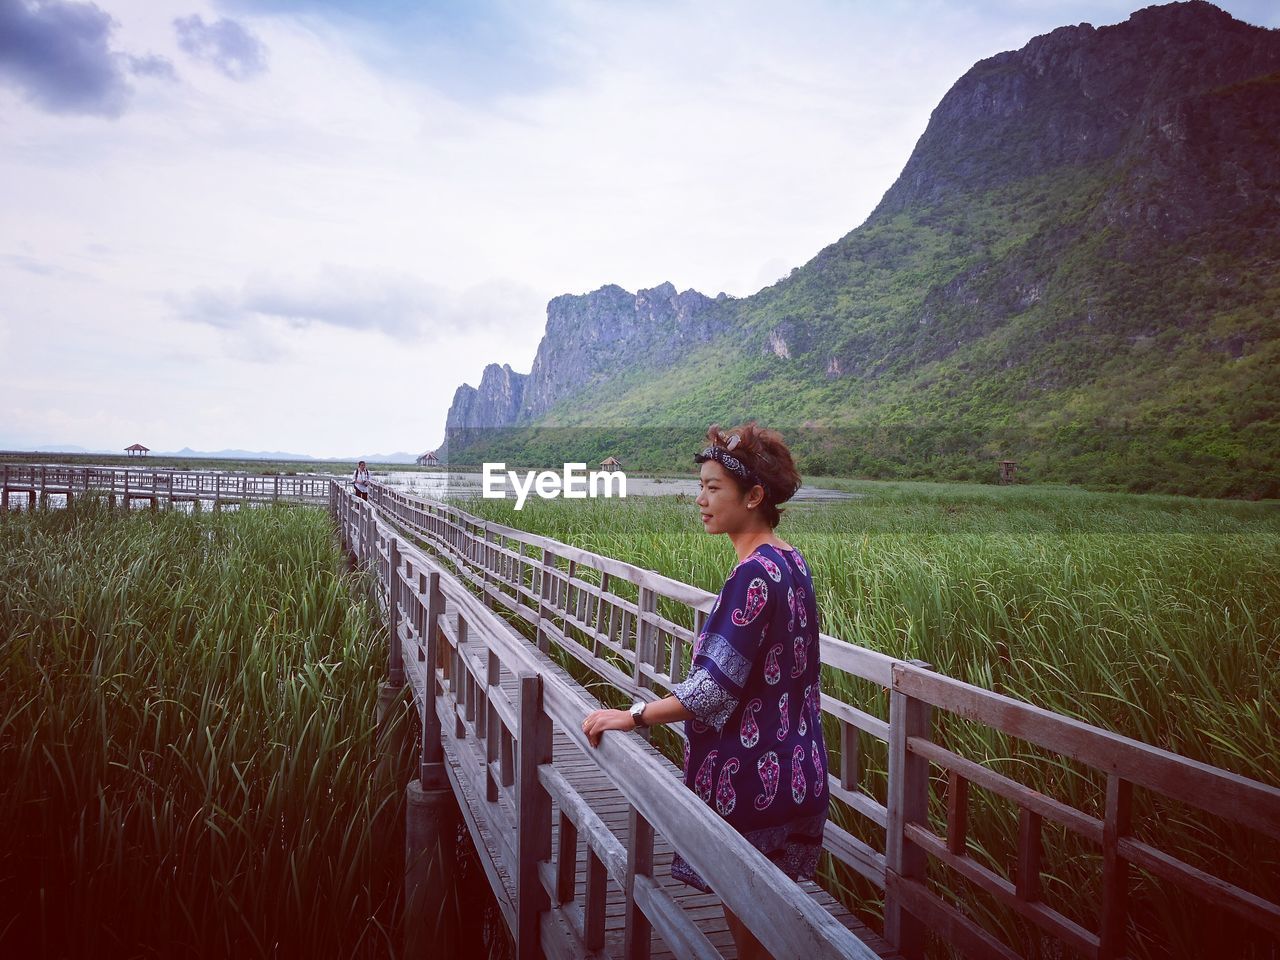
point(1078, 268)
point(587, 338)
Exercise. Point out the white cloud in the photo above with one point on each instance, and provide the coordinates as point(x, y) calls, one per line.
point(400, 306)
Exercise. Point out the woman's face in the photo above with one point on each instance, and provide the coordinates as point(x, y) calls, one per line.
point(722, 504)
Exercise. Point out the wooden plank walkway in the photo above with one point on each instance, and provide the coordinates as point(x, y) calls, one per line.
point(608, 802)
point(630, 628)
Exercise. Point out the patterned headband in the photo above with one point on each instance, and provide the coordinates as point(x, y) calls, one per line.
point(731, 463)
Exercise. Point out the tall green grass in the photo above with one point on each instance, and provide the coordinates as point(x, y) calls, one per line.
point(1155, 617)
point(188, 754)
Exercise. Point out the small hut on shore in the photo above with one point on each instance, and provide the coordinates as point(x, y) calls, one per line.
point(137, 450)
point(611, 463)
point(1008, 471)
point(429, 459)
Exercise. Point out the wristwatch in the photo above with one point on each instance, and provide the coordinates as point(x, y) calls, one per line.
point(637, 714)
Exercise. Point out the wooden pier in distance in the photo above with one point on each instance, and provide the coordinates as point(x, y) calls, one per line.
point(37, 483)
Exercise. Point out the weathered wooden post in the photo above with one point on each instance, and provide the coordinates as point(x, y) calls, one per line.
point(907, 802)
point(431, 813)
point(637, 930)
point(646, 636)
point(490, 556)
point(391, 689)
point(4, 491)
point(546, 596)
point(1115, 869)
point(533, 831)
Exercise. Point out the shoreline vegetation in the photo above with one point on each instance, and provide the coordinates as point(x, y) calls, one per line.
point(188, 752)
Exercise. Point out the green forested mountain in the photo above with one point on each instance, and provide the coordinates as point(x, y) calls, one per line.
point(1078, 269)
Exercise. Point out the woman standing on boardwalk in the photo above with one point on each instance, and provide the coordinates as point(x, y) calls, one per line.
point(751, 703)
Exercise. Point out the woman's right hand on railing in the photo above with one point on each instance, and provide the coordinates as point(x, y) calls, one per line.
point(599, 721)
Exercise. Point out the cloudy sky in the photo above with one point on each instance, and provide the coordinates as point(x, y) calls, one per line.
point(300, 224)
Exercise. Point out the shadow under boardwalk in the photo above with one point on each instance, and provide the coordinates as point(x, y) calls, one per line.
point(588, 780)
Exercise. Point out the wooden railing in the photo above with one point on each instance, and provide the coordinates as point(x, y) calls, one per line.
point(493, 701)
point(622, 624)
point(40, 481)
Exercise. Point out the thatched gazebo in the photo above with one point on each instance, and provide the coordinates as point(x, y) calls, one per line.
point(137, 450)
point(429, 459)
point(611, 463)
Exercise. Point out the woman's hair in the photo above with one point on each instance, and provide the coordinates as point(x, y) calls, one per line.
point(765, 457)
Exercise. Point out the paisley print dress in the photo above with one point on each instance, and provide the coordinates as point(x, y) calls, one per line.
point(755, 751)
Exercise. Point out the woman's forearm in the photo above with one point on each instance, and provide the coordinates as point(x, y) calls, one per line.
point(666, 710)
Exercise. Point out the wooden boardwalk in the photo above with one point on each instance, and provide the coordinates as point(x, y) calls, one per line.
point(577, 841)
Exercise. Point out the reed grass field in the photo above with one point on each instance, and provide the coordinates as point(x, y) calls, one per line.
point(1157, 617)
point(188, 754)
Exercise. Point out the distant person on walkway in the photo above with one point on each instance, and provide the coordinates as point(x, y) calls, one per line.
point(361, 481)
point(751, 702)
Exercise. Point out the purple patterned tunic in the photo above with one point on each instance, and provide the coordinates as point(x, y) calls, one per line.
point(755, 748)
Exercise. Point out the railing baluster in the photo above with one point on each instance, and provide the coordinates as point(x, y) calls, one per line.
point(1027, 880)
point(908, 802)
point(545, 588)
point(534, 826)
point(432, 772)
point(637, 931)
point(645, 643)
point(395, 666)
point(566, 860)
point(458, 682)
point(594, 900)
point(850, 758)
point(957, 812)
point(492, 729)
point(1115, 870)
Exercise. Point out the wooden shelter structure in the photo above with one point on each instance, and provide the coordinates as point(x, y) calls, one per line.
point(1008, 471)
point(137, 450)
point(611, 463)
point(429, 459)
